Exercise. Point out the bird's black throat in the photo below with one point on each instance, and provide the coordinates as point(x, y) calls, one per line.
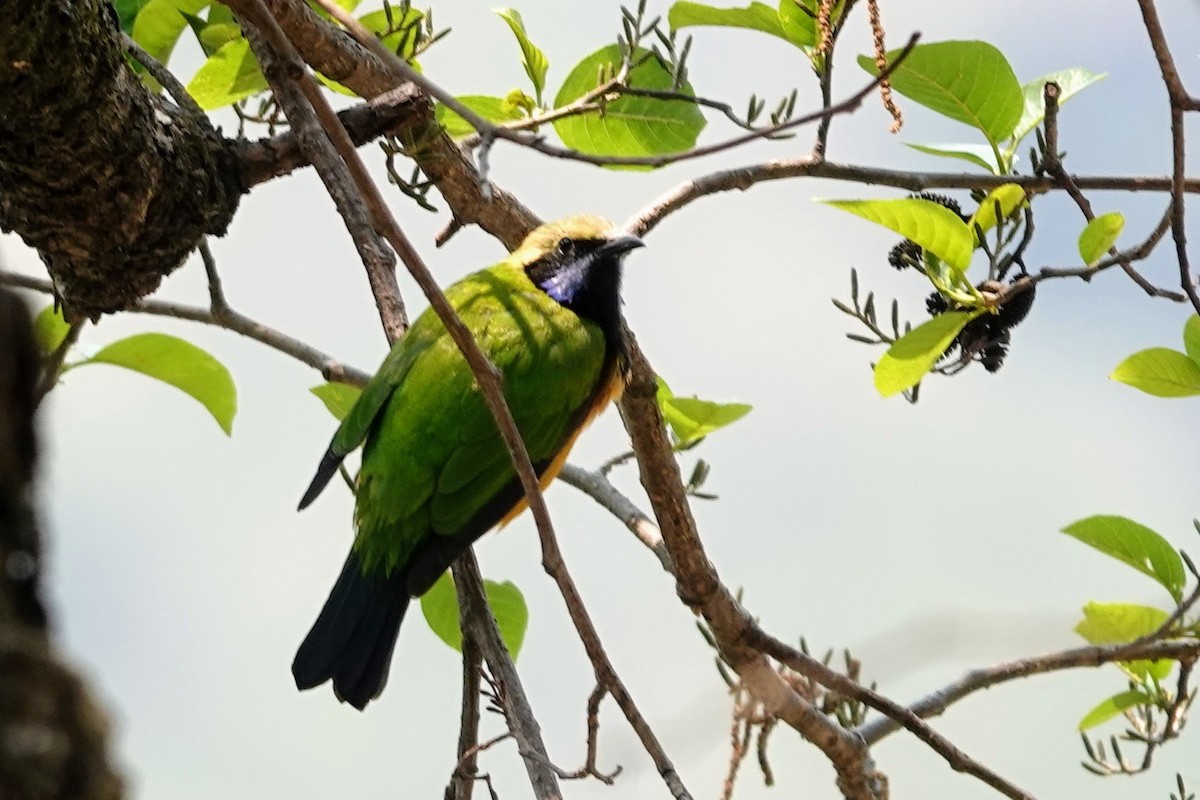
point(584, 275)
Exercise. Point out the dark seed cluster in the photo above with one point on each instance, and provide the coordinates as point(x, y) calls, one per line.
point(987, 337)
point(908, 253)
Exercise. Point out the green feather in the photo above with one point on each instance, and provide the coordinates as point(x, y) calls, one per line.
point(435, 472)
point(436, 458)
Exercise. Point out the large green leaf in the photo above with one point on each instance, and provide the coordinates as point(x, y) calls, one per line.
point(629, 126)
point(229, 75)
point(493, 109)
point(50, 328)
point(440, 607)
point(978, 154)
point(915, 353)
point(179, 363)
point(1033, 110)
point(1107, 709)
point(159, 24)
point(1191, 337)
point(1134, 544)
point(756, 16)
point(1161, 372)
point(970, 81)
point(691, 418)
point(1100, 234)
point(532, 58)
point(1008, 197)
point(934, 227)
point(338, 398)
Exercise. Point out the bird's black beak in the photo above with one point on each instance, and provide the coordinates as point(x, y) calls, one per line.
point(620, 245)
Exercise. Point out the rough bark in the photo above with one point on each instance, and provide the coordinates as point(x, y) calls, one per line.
point(53, 737)
point(112, 187)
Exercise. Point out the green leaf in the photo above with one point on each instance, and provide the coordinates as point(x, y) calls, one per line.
point(1009, 196)
point(1100, 234)
point(50, 328)
point(799, 20)
point(440, 607)
point(493, 109)
point(399, 36)
point(532, 58)
point(1033, 111)
point(915, 353)
point(692, 419)
point(978, 154)
point(159, 24)
point(339, 398)
point(756, 16)
point(1191, 338)
point(935, 228)
point(229, 75)
point(799, 25)
point(1121, 623)
point(629, 126)
point(127, 11)
point(181, 364)
point(1161, 372)
point(971, 82)
point(1134, 544)
point(1113, 706)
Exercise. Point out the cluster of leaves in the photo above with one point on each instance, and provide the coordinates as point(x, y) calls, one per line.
point(157, 355)
point(973, 83)
point(606, 124)
point(1148, 693)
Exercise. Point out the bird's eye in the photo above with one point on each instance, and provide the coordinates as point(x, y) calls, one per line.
point(565, 247)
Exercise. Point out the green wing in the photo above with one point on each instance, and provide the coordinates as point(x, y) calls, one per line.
point(435, 460)
point(357, 423)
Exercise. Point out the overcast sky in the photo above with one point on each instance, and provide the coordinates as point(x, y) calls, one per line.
point(922, 537)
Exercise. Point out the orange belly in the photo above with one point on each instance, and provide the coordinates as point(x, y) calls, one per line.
point(610, 390)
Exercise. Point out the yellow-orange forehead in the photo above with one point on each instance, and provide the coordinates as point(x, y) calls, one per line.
point(545, 237)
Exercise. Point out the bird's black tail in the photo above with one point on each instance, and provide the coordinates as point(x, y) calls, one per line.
point(351, 642)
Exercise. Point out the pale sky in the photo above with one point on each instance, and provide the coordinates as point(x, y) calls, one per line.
point(923, 538)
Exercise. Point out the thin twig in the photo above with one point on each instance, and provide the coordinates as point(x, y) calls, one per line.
point(600, 489)
point(1052, 164)
point(166, 79)
point(230, 320)
point(937, 702)
point(480, 623)
point(1181, 102)
point(491, 132)
point(743, 178)
point(462, 780)
point(52, 367)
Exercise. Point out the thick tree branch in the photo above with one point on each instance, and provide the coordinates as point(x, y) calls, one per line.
point(743, 178)
point(338, 57)
point(699, 587)
point(111, 187)
point(390, 113)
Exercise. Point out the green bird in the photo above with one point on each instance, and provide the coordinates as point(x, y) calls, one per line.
point(435, 473)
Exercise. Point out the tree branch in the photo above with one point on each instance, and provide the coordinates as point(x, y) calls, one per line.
point(228, 319)
point(112, 187)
